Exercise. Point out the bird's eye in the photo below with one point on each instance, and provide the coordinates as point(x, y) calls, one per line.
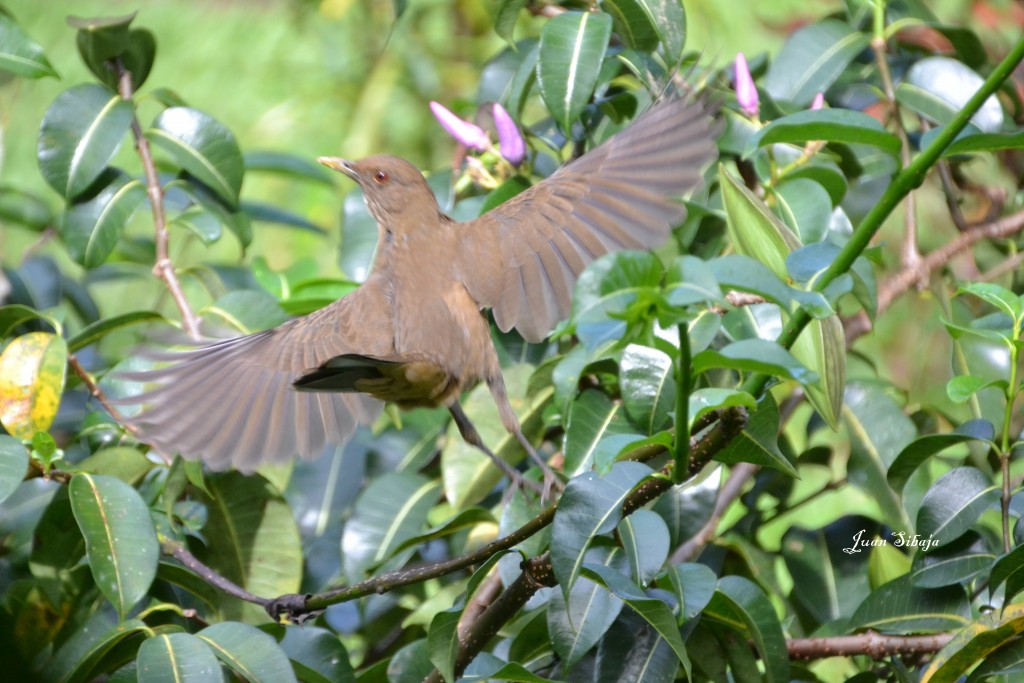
point(381, 177)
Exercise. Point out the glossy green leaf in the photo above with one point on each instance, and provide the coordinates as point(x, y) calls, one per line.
point(694, 586)
point(389, 511)
point(590, 506)
point(275, 215)
point(79, 135)
point(119, 538)
point(830, 125)
point(102, 40)
point(921, 449)
point(758, 443)
point(592, 416)
point(703, 401)
point(754, 230)
point(1009, 570)
point(228, 214)
point(878, 432)
point(92, 228)
point(654, 611)
point(249, 652)
point(13, 465)
point(634, 22)
point(899, 607)
point(32, 371)
point(247, 310)
point(939, 87)
point(811, 60)
point(467, 519)
point(645, 539)
point(754, 355)
point(572, 47)
point(21, 55)
point(252, 540)
point(647, 381)
point(979, 142)
point(77, 659)
point(90, 334)
point(443, 641)
point(690, 280)
point(954, 503)
point(202, 146)
point(806, 208)
point(605, 291)
point(505, 16)
point(577, 621)
point(511, 672)
point(1000, 297)
point(21, 207)
point(746, 274)
point(742, 604)
point(508, 189)
point(177, 658)
point(954, 563)
point(669, 19)
point(973, 644)
point(317, 655)
point(821, 348)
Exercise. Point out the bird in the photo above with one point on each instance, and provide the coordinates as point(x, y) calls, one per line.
point(415, 333)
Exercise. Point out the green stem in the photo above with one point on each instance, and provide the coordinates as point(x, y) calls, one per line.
point(906, 180)
point(683, 381)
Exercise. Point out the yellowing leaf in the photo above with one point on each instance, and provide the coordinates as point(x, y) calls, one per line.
point(31, 382)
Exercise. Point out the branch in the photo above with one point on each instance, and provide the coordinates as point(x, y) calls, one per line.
point(163, 268)
point(181, 554)
point(98, 394)
point(870, 643)
point(730, 491)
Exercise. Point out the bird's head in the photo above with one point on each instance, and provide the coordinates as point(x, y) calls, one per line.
point(391, 185)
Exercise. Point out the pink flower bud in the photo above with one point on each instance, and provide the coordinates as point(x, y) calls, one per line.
point(466, 133)
point(819, 102)
point(511, 142)
point(746, 92)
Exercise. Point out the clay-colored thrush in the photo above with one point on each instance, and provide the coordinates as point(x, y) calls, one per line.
point(414, 333)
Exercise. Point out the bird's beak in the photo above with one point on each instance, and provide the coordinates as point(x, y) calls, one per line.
point(340, 165)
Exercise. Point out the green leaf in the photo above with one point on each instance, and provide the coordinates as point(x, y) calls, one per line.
point(606, 290)
point(572, 47)
point(654, 611)
point(177, 658)
point(79, 135)
point(634, 22)
point(901, 607)
point(230, 216)
point(693, 585)
point(31, 382)
point(978, 142)
point(202, 146)
point(974, 644)
point(249, 652)
point(443, 641)
point(918, 451)
point(758, 443)
point(508, 189)
point(21, 55)
point(577, 621)
point(939, 87)
point(821, 348)
point(91, 229)
point(247, 310)
point(590, 506)
point(1008, 569)
point(754, 355)
point(648, 387)
point(954, 563)
point(830, 125)
point(703, 401)
point(391, 510)
point(743, 605)
point(669, 19)
point(20, 207)
point(505, 17)
point(268, 213)
point(78, 658)
point(358, 237)
point(90, 334)
point(754, 230)
point(252, 540)
point(954, 503)
point(13, 465)
point(1000, 297)
point(317, 655)
point(811, 60)
point(119, 538)
point(746, 274)
point(467, 519)
point(592, 417)
point(645, 539)
point(690, 280)
point(806, 207)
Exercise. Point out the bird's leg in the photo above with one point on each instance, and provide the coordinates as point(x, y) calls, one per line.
point(508, 418)
point(472, 437)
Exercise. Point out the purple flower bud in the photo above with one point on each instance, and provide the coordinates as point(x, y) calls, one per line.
point(819, 102)
point(466, 133)
point(746, 93)
point(511, 142)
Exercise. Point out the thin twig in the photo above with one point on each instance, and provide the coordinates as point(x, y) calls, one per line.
point(870, 643)
point(181, 554)
point(164, 267)
point(98, 394)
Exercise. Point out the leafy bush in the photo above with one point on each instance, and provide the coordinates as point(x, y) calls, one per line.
point(804, 521)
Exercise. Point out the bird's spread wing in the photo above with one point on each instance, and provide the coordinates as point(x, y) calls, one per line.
point(522, 258)
point(232, 404)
